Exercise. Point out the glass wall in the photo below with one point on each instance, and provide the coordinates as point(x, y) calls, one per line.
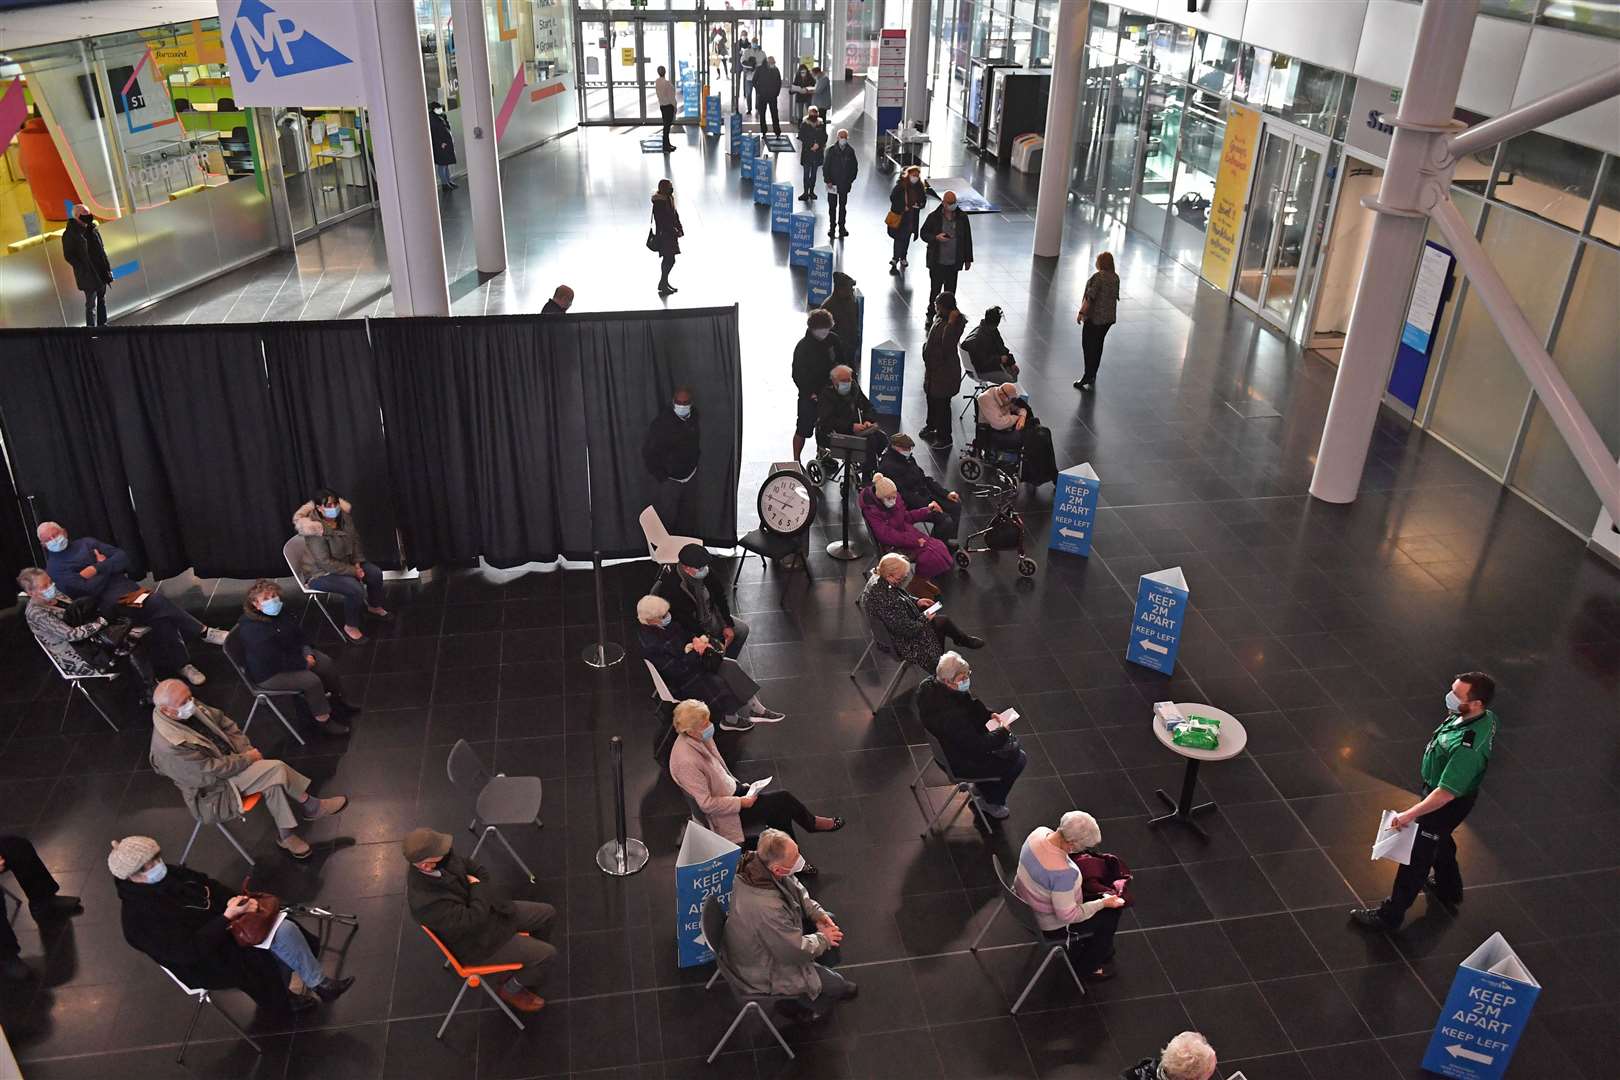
point(1014, 33)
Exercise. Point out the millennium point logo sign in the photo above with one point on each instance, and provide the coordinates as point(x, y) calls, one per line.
point(263, 38)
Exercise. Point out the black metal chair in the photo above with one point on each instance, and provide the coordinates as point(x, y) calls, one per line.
point(1011, 901)
point(713, 918)
point(770, 547)
point(879, 641)
point(963, 785)
point(237, 655)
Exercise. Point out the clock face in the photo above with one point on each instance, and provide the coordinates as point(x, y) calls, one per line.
point(785, 505)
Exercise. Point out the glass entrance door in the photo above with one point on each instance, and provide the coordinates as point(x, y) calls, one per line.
point(619, 62)
point(596, 72)
point(1282, 206)
point(326, 165)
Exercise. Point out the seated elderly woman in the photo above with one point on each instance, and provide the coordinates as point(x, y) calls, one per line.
point(86, 649)
point(976, 741)
point(918, 637)
point(1049, 882)
point(693, 667)
point(894, 526)
point(1004, 412)
point(278, 656)
point(696, 765)
point(1188, 1056)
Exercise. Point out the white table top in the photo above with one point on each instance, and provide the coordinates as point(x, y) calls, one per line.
point(1233, 737)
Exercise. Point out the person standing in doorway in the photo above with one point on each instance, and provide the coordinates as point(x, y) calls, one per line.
point(949, 237)
point(767, 85)
point(444, 145)
point(749, 58)
point(905, 207)
point(804, 84)
point(812, 150)
point(1452, 770)
point(666, 104)
point(839, 170)
point(667, 232)
point(1097, 311)
point(84, 250)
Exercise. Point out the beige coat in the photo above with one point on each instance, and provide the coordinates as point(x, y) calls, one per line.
point(701, 772)
point(197, 766)
point(766, 946)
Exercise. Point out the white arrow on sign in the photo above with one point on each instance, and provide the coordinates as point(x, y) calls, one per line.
point(1456, 1051)
point(1072, 534)
point(1151, 647)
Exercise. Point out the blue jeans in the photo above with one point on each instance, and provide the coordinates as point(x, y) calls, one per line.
point(291, 947)
point(356, 592)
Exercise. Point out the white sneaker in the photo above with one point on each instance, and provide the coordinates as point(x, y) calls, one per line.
point(192, 675)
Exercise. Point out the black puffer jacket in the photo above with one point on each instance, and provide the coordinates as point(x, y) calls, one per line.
point(85, 251)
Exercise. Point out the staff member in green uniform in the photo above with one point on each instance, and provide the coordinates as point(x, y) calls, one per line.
point(1454, 764)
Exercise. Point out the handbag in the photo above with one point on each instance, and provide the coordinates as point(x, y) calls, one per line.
point(251, 929)
point(652, 235)
point(1102, 874)
point(892, 219)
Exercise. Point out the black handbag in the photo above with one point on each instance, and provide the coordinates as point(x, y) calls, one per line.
point(80, 611)
point(652, 235)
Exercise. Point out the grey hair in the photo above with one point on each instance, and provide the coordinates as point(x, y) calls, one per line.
point(772, 846)
point(48, 528)
point(168, 694)
point(31, 578)
point(845, 368)
point(951, 667)
point(1188, 1056)
point(650, 609)
point(887, 564)
point(1080, 829)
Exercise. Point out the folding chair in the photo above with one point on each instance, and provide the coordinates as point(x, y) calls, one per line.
point(664, 548)
point(498, 799)
point(471, 977)
point(237, 655)
point(980, 384)
point(962, 784)
point(879, 640)
point(78, 681)
point(660, 687)
point(713, 918)
point(204, 997)
point(248, 803)
point(296, 552)
point(1011, 901)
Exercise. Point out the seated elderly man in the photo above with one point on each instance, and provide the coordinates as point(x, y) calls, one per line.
point(279, 657)
point(182, 919)
point(208, 758)
point(1050, 883)
point(918, 637)
point(94, 568)
point(1188, 1056)
point(697, 601)
point(476, 919)
point(776, 932)
point(1003, 411)
point(917, 488)
point(693, 667)
point(976, 741)
point(47, 612)
point(843, 409)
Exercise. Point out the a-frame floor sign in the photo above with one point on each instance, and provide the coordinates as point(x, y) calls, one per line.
point(1484, 1015)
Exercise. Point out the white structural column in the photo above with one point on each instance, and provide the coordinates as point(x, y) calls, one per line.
point(407, 191)
point(1062, 105)
point(837, 39)
point(917, 34)
point(478, 135)
point(1428, 106)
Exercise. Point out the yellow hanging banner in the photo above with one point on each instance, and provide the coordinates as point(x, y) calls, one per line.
point(1231, 184)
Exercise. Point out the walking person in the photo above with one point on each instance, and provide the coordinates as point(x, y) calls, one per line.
point(1453, 768)
point(1097, 311)
point(949, 236)
point(767, 86)
point(905, 207)
point(821, 94)
point(840, 169)
point(444, 145)
point(942, 373)
point(720, 52)
point(749, 58)
point(812, 150)
point(84, 250)
point(666, 104)
point(666, 234)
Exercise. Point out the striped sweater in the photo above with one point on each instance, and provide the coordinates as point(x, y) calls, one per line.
point(1054, 895)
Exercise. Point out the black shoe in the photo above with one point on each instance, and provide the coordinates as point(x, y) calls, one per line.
point(809, 870)
point(57, 907)
point(333, 727)
point(1087, 387)
point(830, 235)
point(970, 641)
point(842, 232)
point(12, 969)
point(343, 708)
point(837, 823)
point(299, 1003)
point(332, 989)
point(1372, 918)
point(668, 148)
point(893, 268)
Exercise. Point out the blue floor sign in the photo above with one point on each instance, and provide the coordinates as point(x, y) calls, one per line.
point(1161, 609)
point(703, 868)
point(821, 272)
point(1484, 1015)
point(887, 377)
point(781, 207)
point(1074, 510)
point(801, 237)
point(764, 177)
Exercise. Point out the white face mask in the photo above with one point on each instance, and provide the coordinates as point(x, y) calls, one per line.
point(798, 864)
point(820, 333)
point(889, 502)
point(188, 710)
point(843, 140)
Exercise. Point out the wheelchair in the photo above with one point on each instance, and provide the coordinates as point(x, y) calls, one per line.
point(984, 458)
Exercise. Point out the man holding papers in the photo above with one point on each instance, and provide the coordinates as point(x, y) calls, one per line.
point(976, 741)
point(1453, 767)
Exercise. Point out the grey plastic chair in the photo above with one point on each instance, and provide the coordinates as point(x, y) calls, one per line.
point(964, 785)
point(713, 919)
point(296, 552)
point(1011, 901)
point(205, 997)
point(879, 640)
point(498, 799)
point(236, 653)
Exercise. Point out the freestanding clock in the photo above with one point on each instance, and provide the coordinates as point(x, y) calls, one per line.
point(786, 503)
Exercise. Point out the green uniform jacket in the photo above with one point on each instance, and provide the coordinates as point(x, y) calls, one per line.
point(1458, 754)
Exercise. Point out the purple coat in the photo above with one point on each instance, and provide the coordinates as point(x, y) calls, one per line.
point(895, 528)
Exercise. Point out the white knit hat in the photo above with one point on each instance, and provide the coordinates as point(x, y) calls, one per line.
point(130, 854)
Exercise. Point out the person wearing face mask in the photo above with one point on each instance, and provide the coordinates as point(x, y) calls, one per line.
point(840, 169)
point(949, 236)
point(86, 253)
point(77, 648)
point(206, 756)
point(942, 372)
point(906, 200)
point(894, 526)
point(804, 84)
point(671, 450)
point(812, 150)
point(182, 919)
point(1452, 770)
point(845, 308)
point(1004, 414)
point(561, 300)
point(696, 766)
point(337, 559)
point(917, 488)
point(692, 667)
point(88, 567)
point(821, 92)
point(666, 233)
point(988, 351)
point(278, 656)
point(46, 901)
point(918, 637)
point(842, 408)
point(767, 86)
point(956, 718)
point(1050, 883)
point(444, 145)
point(747, 61)
point(775, 932)
point(697, 600)
point(814, 357)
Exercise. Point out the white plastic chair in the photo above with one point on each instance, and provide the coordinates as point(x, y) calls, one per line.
point(664, 548)
point(204, 997)
point(660, 687)
point(78, 681)
point(296, 552)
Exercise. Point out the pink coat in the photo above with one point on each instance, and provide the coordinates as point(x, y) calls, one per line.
point(895, 528)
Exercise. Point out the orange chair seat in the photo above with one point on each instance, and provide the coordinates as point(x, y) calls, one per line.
point(471, 974)
point(249, 802)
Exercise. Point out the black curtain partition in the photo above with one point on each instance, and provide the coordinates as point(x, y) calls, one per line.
point(323, 383)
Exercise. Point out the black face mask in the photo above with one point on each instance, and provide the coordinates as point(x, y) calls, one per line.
point(87, 220)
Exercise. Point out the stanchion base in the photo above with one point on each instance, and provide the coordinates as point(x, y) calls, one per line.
point(621, 862)
point(846, 550)
point(603, 655)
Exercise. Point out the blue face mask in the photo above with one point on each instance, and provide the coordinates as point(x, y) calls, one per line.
point(330, 513)
point(157, 873)
point(271, 606)
point(666, 620)
point(59, 544)
point(708, 733)
point(1454, 703)
point(844, 387)
point(683, 411)
point(964, 684)
point(700, 573)
point(50, 592)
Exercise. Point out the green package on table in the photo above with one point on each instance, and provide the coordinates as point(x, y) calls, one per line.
point(1198, 733)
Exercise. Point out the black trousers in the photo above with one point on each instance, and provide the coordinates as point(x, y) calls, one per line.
point(939, 414)
point(776, 121)
point(947, 522)
point(809, 179)
point(902, 238)
point(23, 863)
point(1090, 952)
point(837, 207)
point(171, 627)
point(1091, 343)
point(668, 113)
point(777, 810)
point(996, 791)
point(940, 279)
point(1434, 849)
point(668, 264)
point(95, 308)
